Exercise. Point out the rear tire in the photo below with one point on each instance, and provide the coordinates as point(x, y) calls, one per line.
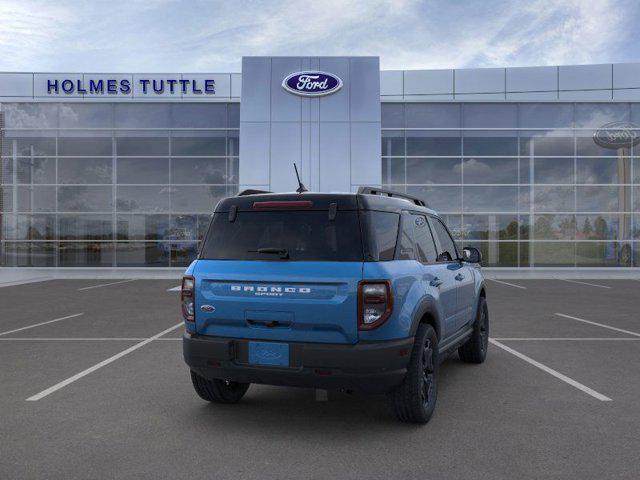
point(475, 349)
point(415, 400)
point(218, 391)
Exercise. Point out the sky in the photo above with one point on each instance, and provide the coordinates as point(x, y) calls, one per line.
point(212, 36)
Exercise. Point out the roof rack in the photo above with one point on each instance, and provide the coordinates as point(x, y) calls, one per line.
point(250, 191)
point(391, 193)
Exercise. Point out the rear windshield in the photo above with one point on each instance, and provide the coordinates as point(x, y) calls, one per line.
point(284, 235)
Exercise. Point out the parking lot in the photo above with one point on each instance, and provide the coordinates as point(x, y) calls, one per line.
point(93, 385)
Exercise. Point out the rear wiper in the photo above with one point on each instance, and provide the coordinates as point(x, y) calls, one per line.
point(283, 252)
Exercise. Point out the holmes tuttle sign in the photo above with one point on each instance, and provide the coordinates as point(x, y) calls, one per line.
point(312, 83)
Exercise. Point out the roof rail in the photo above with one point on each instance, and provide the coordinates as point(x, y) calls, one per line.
point(250, 191)
point(391, 193)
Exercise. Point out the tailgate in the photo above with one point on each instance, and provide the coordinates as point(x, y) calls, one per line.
point(295, 301)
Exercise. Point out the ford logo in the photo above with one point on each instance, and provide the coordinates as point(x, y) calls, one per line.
point(617, 135)
point(312, 84)
point(207, 308)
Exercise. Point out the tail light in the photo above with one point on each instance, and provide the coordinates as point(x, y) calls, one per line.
point(375, 303)
point(187, 298)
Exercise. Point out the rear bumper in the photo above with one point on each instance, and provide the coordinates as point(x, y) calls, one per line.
point(373, 367)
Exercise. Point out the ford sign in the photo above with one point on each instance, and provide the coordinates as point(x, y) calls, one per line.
point(617, 135)
point(312, 84)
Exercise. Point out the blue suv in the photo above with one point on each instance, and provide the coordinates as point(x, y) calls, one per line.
point(364, 291)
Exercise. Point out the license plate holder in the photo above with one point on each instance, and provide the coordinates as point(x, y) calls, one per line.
point(269, 353)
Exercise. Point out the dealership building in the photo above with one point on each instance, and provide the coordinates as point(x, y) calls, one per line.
point(535, 166)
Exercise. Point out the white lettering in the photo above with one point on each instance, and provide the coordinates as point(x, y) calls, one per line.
point(309, 82)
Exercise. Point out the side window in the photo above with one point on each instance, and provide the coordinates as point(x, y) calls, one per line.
point(406, 250)
point(426, 249)
point(382, 233)
point(447, 249)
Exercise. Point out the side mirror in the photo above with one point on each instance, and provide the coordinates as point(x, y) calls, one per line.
point(471, 255)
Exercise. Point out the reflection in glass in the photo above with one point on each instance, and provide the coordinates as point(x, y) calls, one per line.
point(393, 170)
point(94, 146)
point(603, 170)
point(553, 170)
point(85, 170)
point(553, 254)
point(393, 115)
point(490, 170)
point(603, 254)
point(183, 253)
point(35, 170)
point(89, 115)
point(29, 146)
point(30, 115)
point(554, 199)
point(434, 115)
point(37, 254)
point(392, 143)
point(205, 146)
point(546, 144)
point(490, 227)
point(602, 226)
point(433, 143)
point(554, 227)
point(142, 115)
point(85, 199)
point(142, 198)
point(490, 199)
point(434, 170)
point(148, 146)
point(37, 198)
point(81, 254)
point(132, 170)
point(441, 199)
point(142, 227)
point(35, 227)
point(603, 198)
point(140, 254)
point(497, 254)
point(199, 115)
point(490, 115)
point(196, 199)
point(489, 145)
point(199, 170)
point(545, 115)
point(85, 227)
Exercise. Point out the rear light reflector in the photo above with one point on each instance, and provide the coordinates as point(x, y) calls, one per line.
point(375, 303)
point(283, 204)
point(187, 299)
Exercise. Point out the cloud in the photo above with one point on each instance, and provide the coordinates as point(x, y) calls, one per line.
point(172, 36)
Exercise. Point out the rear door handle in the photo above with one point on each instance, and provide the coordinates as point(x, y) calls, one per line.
point(459, 277)
point(436, 282)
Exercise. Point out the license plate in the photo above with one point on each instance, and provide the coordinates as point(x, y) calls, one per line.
point(267, 353)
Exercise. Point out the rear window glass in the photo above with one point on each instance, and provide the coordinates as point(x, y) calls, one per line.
point(381, 232)
point(304, 235)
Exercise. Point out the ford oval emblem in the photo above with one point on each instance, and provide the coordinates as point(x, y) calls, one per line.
point(617, 135)
point(207, 308)
point(312, 83)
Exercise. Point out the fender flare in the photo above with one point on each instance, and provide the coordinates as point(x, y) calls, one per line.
point(427, 305)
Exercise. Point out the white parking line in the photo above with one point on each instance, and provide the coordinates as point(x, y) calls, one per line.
point(629, 332)
point(175, 289)
point(97, 366)
point(507, 283)
point(584, 283)
point(41, 323)
point(551, 371)
point(550, 339)
point(107, 284)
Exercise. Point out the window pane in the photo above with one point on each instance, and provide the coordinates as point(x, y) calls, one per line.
point(382, 232)
point(602, 199)
point(393, 170)
point(432, 115)
point(442, 199)
point(603, 254)
point(425, 246)
point(490, 199)
point(604, 227)
point(233, 114)
point(203, 225)
point(196, 199)
point(554, 199)
point(233, 143)
point(142, 146)
point(199, 115)
point(142, 170)
point(85, 227)
point(447, 249)
point(142, 227)
point(6, 199)
point(433, 143)
point(30, 115)
point(85, 170)
point(488, 115)
point(143, 199)
point(554, 227)
point(200, 170)
point(553, 170)
point(183, 227)
point(211, 145)
point(80, 254)
point(93, 146)
point(138, 254)
point(183, 253)
point(29, 146)
point(585, 145)
point(598, 114)
point(142, 115)
point(93, 115)
point(36, 170)
point(497, 254)
point(406, 248)
point(603, 170)
point(392, 143)
point(553, 254)
point(36, 199)
point(545, 115)
point(36, 227)
point(546, 144)
point(85, 199)
point(490, 170)
point(490, 227)
point(434, 170)
point(40, 254)
point(491, 144)
point(392, 115)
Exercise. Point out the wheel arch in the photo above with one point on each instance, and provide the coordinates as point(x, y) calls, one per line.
point(428, 313)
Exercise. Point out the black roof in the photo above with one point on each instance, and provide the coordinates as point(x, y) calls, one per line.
point(321, 201)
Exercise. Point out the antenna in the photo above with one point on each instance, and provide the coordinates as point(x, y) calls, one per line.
point(301, 188)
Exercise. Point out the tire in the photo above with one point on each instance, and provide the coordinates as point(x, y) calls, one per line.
point(218, 391)
point(475, 349)
point(415, 399)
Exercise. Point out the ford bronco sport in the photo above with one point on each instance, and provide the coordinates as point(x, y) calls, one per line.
point(364, 292)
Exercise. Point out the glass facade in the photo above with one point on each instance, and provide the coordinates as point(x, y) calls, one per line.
point(524, 182)
point(118, 184)
point(112, 184)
